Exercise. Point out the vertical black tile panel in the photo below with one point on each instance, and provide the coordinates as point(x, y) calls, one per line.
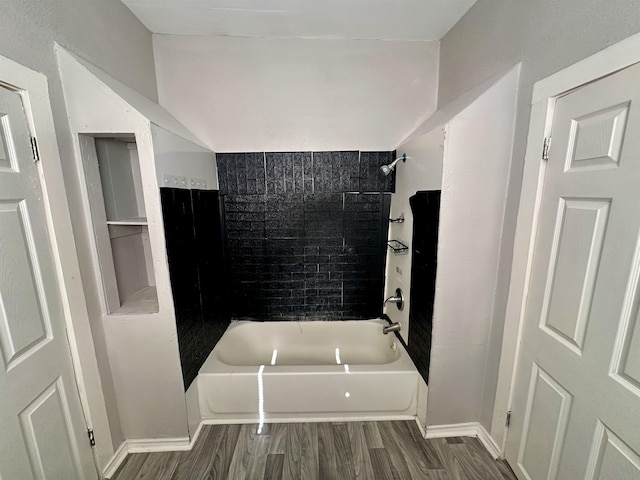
point(299, 159)
point(425, 207)
point(241, 173)
point(350, 171)
point(181, 250)
point(209, 246)
point(260, 170)
point(307, 177)
point(194, 238)
point(221, 162)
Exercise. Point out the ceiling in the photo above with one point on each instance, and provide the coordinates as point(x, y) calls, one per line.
point(345, 19)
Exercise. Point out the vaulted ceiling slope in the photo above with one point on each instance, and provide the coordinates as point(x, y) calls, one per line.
point(345, 19)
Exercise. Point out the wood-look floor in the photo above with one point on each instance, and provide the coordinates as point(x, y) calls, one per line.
point(296, 451)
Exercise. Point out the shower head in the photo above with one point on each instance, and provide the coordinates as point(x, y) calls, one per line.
point(385, 170)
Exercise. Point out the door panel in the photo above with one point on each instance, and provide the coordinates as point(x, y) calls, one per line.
point(546, 419)
point(24, 324)
point(626, 364)
point(7, 160)
point(596, 138)
point(575, 256)
point(611, 458)
point(578, 414)
point(46, 426)
point(43, 429)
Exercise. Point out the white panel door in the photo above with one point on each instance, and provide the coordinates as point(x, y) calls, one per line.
point(576, 409)
point(42, 430)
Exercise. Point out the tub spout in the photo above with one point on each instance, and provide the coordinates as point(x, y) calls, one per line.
point(394, 327)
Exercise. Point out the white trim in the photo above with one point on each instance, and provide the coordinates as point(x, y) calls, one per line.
point(34, 89)
point(453, 430)
point(614, 58)
point(253, 419)
point(422, 429)
point(611, 59)
point(444, 115)
point(533, 174)
point(145, 445)
point(471, 429)
point(158, 445)
point(489, 443)
point(196, 435)
point(118, 457)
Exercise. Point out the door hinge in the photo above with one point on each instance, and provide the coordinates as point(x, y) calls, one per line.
point(545, 148)
point(507, 422)
point(34, 149)
point(92, 439)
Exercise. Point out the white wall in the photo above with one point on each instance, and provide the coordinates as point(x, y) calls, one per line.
point(141, 349)
point(103, 32)
point(477, 161)
point(261, 94)
point(423, 171)
point(28, 30)
point(181, 163)
point(546, 36)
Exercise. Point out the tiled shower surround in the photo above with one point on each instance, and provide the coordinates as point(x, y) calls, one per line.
point(305, 233)
point(193, 233)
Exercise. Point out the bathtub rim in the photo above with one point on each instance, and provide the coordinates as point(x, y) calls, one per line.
point(215, 365)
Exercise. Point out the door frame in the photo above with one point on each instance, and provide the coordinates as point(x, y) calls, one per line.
point(614, 58)
point(33, 88)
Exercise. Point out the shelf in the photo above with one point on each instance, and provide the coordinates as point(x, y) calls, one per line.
point(141, 302)
point(129, 221)
point(397, 247)
point(123, 244)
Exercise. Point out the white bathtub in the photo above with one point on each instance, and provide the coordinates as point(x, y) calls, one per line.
point(307, 370)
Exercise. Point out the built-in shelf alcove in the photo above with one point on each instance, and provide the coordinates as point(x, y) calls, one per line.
point(114, 188)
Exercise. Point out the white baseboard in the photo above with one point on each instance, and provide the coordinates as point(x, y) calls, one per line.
point(454, 430)
point(471, 429)
point(489, 443)
point(421, 427)
point(144, 445)
point(304, 419)
point(117, 459)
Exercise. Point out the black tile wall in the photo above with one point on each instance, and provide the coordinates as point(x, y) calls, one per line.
point(181, 245)
point(305, 233)
point(425, 207)
point(194, 238)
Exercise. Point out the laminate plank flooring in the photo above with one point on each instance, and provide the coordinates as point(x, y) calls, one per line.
point(327, 462)
point(319, 451)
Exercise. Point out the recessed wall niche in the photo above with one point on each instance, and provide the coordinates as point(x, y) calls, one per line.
point(120, 228)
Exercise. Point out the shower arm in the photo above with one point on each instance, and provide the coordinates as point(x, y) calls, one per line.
point(387, 169)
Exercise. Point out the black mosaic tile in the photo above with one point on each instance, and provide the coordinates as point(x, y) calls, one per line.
point(194, 240)
point(293, 246)
point(371, 180)
point(425, 207)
